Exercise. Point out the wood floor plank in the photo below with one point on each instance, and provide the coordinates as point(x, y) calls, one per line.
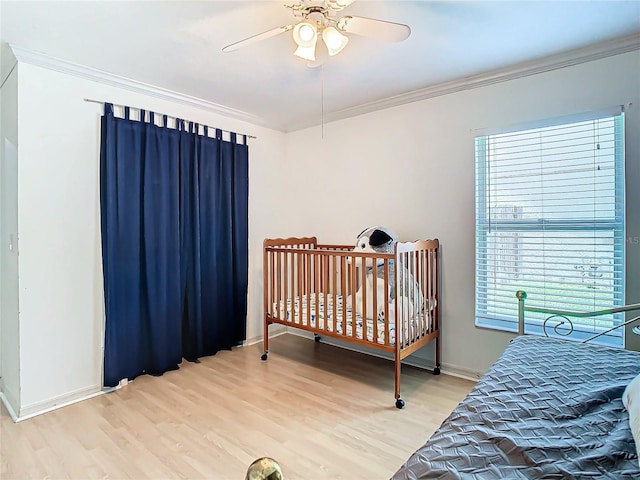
point(323, 412)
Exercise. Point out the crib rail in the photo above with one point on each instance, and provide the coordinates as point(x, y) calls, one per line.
point(562, 324)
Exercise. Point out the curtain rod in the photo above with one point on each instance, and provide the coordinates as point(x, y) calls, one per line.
point(169, 116)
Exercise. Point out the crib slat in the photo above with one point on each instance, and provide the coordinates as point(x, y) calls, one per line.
point(387, 293)
point(285, 280)
point(344, 287)
point(374, 310)
point(335, 290)
point(401, 336)
point(273, 281)
point(418, 312)
point(428, 293)
point(363, 303)
point(326, 269)
point(299, 275)
point(307, 287)
point(436, 277)
point(278, 284)
point(353, 298)
point(426, 301)
point(316, 282)
point(431, 294)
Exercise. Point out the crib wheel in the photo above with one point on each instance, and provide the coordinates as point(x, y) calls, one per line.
point(316, 338)
point(399, 403)
point(436, 370)
point(264, 356)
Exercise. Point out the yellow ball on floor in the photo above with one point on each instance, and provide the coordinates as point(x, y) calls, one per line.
point(264, 468)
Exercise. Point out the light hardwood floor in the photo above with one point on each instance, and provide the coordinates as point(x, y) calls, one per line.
point(323, 412)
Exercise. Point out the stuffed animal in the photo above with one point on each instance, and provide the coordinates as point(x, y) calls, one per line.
point(382, 240)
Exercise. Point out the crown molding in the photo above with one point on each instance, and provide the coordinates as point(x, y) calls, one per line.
point(63, 66)
point(570, 58)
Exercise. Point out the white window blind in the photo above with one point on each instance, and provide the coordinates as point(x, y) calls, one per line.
point(550, 221)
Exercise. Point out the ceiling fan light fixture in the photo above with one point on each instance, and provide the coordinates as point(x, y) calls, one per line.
point(334, 40)
point(305, 34)
point(308, 53)
point(318, 18)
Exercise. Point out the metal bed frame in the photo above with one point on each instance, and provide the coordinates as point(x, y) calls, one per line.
point(564, 325)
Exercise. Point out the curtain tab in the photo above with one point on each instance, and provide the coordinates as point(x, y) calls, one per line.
point(206, 131)
point(152, 120)
point(126, 113)
point(143, 114)
point(108, 109)
point(164, 121)
point(218, 134)
point(233, 137)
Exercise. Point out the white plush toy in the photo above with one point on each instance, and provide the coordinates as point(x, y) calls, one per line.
point(382, 240)
point(631, 401)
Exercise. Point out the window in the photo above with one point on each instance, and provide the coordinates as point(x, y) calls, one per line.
point(550, 221)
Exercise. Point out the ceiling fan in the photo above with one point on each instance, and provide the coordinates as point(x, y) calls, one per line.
point(317, 19)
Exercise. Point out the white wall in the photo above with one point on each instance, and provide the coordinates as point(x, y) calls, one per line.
point(409, 167)
point(9, 324)
point(412, 168)
point(61, 296)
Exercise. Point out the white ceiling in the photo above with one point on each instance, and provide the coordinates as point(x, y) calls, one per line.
point(177, 46)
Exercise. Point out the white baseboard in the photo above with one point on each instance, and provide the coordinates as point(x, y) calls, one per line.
point(259, 339)
point(9, 407)
point(39, 408)
point(9, 398)
point(301, 333)
point(417, 362)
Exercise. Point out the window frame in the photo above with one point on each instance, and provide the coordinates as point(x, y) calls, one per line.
point(616, 224)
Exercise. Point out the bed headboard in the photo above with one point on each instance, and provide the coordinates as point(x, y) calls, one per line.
point(563, 325)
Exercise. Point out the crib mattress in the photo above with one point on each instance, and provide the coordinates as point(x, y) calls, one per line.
point(322, 317)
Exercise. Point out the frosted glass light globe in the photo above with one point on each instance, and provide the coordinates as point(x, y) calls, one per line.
point(306, 32)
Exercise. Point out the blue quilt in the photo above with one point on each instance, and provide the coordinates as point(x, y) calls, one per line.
point(547, 409)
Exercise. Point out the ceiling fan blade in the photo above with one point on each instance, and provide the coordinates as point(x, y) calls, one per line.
point(370, 27)
point(256, 38)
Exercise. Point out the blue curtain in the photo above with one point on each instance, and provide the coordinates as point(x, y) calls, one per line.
point(214, 232)
point(174, 220)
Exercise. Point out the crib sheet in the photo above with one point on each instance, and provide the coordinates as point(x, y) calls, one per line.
point(305, 314)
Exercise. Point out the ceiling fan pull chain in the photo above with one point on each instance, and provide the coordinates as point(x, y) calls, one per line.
point(322, 101)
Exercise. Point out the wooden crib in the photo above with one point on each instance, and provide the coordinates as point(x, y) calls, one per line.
point(313, 287)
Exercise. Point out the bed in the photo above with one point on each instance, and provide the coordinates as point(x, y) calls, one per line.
point(548, 408)
point(312, 287)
